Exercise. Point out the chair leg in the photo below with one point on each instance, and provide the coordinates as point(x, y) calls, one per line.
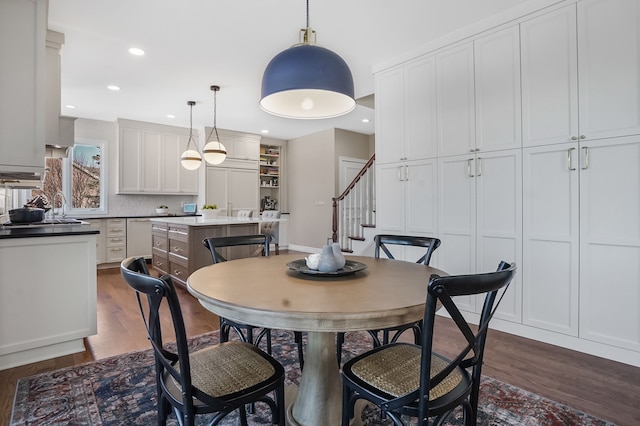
point(277, 248)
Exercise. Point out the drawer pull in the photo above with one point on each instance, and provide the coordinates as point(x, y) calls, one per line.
point(177, 273)
point(158, 244)
point(159, 263)
point(177, 249)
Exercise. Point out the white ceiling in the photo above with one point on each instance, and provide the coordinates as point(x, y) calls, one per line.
point(193, 44)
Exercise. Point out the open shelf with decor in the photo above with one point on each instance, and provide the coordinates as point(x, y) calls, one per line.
point(269, 177)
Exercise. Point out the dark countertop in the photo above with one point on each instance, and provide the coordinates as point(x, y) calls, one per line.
point(46, 231)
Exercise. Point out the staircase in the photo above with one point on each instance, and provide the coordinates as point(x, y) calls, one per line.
point(354, 213)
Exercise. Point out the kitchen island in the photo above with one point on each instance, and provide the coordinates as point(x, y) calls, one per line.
point(47, 292)
point(177, 247)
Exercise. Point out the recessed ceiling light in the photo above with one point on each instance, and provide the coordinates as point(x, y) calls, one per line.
point(136, 51)
point(171, 116)
point(365, 120)
point(70, 106)
point(265, 131)
point(112, 87)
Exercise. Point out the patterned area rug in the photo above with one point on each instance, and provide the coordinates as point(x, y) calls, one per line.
point(121, 391)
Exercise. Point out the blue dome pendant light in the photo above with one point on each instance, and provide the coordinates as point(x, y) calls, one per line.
point(307, 81)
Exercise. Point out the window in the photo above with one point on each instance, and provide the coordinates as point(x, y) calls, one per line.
point(81, 177)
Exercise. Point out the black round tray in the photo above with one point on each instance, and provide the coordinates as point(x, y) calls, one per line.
point(350, 267)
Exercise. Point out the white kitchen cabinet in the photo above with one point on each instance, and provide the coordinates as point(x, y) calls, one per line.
point(139, 242)
point(455, 100)
point(240, 146)
point(406, 112)
point(610, 241)
point(50, 308)
point(580, 67)
point(406, 200)
point(101, 238)
point(116, 240)
point(582, 240)
point(23, 30)
point(550, 238)
point(233, 187)
point(479, 220)
point(497, 90)
point(149, 160)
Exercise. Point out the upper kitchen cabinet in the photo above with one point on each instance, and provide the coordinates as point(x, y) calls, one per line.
point(149, 160)
point(240, 146)
point(580, 68)
point(232, 186)
point(455, 99)
point(23, 28)
point(406, 112)
point(497, 91)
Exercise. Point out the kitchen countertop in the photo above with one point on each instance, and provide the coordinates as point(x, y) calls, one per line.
point(46, 231)
point(220, 220)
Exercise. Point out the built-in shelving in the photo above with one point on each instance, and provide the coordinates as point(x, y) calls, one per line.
point(269, 176)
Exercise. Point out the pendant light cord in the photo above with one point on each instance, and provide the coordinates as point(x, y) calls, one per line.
point(307, 13)
point(190, 141)
point(215, 127)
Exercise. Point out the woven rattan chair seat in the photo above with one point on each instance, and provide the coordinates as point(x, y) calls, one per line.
point(226, 368)
point(395, 370)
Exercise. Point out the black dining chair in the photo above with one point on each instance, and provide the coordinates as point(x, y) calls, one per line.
point(405, 379)
point(216, 380)
point(392, 334)
point(246, 332)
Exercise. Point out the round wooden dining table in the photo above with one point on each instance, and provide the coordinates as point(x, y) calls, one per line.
point(265, 292)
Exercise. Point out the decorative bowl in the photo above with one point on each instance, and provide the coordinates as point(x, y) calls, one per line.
point(210, 213)
point(162, 211)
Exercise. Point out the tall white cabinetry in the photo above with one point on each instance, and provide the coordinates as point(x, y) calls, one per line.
point(406, 165)
point(581, 189)
point(479, 193)
point(538, 146)
point(480, 219)
point(233, 187)
point(23, 30)
point(149, 160)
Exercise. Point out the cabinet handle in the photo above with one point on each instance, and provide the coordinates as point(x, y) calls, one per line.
point(177, 249)
point(586, 157)
point(177, 273)
point(583, 137)
point(469, 167)
point(406, 172)
point(479, 166)
point(574, 138)
point(400, 174)
point(159, 263)
point(158, 244)
point(569, 165)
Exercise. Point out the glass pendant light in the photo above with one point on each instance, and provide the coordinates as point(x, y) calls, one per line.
point(307, 81)
point(191, 158)
point(214, 152)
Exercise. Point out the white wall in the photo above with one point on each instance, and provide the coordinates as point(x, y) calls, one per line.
point(312, 169)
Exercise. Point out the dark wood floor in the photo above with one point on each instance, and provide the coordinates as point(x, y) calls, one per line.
point(600, 387)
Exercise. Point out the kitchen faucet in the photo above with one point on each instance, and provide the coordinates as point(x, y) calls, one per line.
point(63, 201)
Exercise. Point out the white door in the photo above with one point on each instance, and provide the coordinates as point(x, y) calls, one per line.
point(349, 169)
point(390, 199)
point(609, 63)
point(389, 111)
point(550, 238)
point(217, 187)
point(421, 198)
point(457, 218)
point(455, 100)
point(151, 161)
point(243, 191)
point(420, 118)
point(499, 222)
point(497, 90)
point(610, 242)
point(171, 152)
point(549, 78)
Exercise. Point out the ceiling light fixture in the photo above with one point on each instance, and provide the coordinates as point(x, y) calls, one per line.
point(214, 152)
point(191, 158)
point(136, 51)
point(307, 81)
